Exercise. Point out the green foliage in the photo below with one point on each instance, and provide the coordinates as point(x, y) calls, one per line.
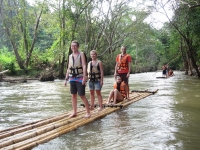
point(7, 60)
point(40, 60)
point(95, 28)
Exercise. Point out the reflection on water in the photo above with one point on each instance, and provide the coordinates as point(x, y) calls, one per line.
point(167, 120)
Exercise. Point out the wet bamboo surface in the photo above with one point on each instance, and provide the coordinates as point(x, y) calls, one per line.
point(29, 135)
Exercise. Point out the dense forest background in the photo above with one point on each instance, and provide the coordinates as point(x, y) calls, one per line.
point(35, 38)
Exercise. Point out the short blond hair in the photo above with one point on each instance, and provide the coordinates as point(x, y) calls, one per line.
point(94, 51)
point(123, 47)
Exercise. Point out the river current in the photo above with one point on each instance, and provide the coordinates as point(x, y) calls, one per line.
point(167, 120)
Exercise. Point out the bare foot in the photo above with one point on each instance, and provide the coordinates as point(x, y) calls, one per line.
point(87, 115)
point(72, 115)
point(100, 109)
point(91, 108)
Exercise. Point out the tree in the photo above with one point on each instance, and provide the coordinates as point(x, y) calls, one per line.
point(186, 23)
point(17, 22)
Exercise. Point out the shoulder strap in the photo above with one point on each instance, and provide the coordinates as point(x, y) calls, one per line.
point(85, 57)
point(70, 57)
point(98, 64)
point(90, 66)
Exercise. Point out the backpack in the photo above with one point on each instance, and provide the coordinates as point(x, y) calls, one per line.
point(85, 58)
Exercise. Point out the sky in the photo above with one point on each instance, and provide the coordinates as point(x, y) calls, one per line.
point(155, 19)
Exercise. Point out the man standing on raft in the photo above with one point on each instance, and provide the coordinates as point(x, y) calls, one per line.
point(76, 74)
point(123, 66)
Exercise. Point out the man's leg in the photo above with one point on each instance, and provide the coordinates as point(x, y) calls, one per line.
point(74, 105)
point(73, 90)
point(81, 93)
point(125, 79)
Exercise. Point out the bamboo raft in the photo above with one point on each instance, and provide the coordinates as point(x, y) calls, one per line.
point(30, 135)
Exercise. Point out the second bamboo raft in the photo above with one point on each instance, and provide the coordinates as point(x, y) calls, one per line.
point(32, 134)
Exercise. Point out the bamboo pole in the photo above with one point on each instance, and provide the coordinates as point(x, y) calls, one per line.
point(18, 129)
point(29, 126)
point(32, 123)
point(62, 130)
point(74, 125)
point(38, 131)
point(56, 127)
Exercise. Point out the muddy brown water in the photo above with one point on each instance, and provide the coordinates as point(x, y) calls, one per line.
point(167, 120)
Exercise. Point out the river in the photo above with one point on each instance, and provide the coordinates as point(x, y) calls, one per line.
point(167, 120)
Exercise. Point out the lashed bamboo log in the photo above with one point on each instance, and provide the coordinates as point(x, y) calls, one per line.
point(56, 127)
point(44, 127)
point(28, 126)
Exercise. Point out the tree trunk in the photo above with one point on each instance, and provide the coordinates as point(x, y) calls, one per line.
point(184, 57)
point(62, 16)
point(29, 53)
point(191, 56)
point(193, 62)
point(15, 49)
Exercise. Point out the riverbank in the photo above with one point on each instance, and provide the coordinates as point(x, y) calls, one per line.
point(16, 79)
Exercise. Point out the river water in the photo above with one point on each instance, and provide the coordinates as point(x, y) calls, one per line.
point(167, 120)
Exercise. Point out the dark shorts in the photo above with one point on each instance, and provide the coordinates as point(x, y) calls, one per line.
point(123, 77)
point(164, 72)
point(77, 87)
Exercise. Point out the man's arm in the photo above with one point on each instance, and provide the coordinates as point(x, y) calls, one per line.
point(116, 66)
point(67, 76)
point(115, 70)
point(129, 67)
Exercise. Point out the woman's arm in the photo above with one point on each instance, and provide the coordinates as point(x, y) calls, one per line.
point(102, 73)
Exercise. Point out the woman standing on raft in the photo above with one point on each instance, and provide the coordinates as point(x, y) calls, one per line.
point(95, 76)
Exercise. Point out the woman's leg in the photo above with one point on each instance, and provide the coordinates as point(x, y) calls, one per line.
point(117, 96)
point(99, 99)
point(92, 97)
point(110, 96)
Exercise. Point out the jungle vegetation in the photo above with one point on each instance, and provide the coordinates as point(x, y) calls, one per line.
point(36, 37)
